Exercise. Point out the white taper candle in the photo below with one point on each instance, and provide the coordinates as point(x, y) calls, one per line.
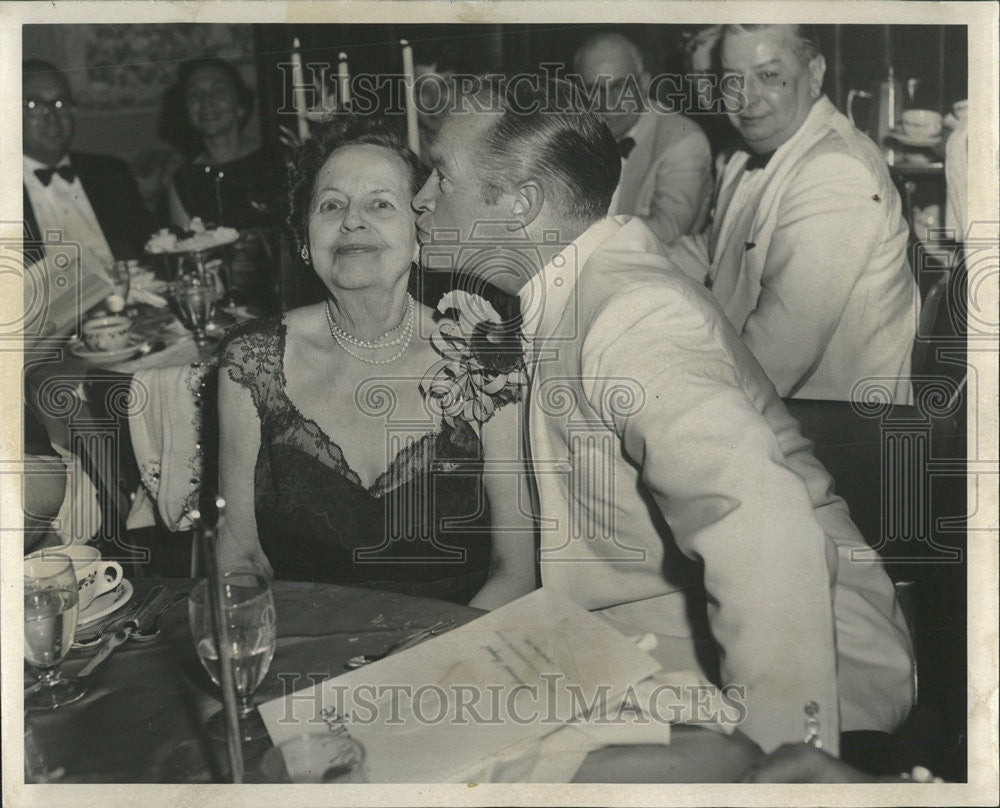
point(412, 132)
point(344, 81)
point(299, 91)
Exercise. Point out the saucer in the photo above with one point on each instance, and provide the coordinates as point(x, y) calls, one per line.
point(914, 140)
point(105, 604)
point(80, 350)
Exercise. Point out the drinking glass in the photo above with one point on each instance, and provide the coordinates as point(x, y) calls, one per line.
point(51, 602)
point(248, 606)
point(196, 296)
point(121, 278)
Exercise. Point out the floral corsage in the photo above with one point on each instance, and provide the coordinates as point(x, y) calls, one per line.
point(483, 364)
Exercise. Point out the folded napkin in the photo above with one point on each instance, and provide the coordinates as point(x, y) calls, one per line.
point(165, 426)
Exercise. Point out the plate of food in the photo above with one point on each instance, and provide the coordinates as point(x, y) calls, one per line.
point(198, 238)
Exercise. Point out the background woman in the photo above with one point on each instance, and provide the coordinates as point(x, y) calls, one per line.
point(230, 180)
point(354, 480)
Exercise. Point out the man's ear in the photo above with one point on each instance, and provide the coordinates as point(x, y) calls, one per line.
point(817, 69)
point(529, 199)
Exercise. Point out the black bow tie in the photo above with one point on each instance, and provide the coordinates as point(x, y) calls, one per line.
point(758, 161)
point(45, 174)
point(625, 146)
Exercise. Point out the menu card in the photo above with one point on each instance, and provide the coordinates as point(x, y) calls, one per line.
point(436, 712)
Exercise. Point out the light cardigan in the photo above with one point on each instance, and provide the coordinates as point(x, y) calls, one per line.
point(807, 258)
point(657, 442)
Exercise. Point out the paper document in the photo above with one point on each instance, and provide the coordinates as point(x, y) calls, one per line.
point(437, 711)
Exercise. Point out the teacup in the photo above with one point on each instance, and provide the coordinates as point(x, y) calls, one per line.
point(922, 123)
point(107, 333)
point(94, 575)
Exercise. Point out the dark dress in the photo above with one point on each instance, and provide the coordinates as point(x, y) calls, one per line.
point(251, 193)
point(251, 190)
point(422, 528)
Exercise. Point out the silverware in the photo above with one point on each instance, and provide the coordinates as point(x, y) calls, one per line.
point(407, 642)
point(148, 348)
point(91, 638)
point(152, 629)
point(151, 605)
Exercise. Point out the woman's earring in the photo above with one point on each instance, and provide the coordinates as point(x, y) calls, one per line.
point(416, 253)
point(304, 254)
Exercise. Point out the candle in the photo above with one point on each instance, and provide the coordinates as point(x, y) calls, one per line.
point(343, 81)
point(412, 133)
point(299, 91)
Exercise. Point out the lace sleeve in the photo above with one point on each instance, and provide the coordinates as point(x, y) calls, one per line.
point(250, 354)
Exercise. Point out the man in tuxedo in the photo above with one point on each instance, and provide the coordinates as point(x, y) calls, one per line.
point(666, 176)
point(676, 494)
point(807, 249)
point(91, 199)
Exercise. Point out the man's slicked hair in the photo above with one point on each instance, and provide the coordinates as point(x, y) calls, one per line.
point(544, 132)
point(806, 37)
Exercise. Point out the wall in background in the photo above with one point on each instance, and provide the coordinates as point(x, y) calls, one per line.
point(120, 75)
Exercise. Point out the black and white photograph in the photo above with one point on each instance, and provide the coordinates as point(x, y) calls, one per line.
point(529, 403)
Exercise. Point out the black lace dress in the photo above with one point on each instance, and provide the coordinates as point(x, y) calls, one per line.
point(422, 528)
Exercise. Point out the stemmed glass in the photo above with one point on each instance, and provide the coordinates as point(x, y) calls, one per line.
point(51, 602)
point(196, 296)
point(251, 627)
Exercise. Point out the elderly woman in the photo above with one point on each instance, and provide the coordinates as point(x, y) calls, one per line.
point(334, 464)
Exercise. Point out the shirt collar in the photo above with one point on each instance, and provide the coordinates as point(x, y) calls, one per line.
point(818, 114)
point(543, 298)
point(31, 164)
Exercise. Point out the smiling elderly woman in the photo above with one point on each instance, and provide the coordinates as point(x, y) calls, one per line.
point(334, 465)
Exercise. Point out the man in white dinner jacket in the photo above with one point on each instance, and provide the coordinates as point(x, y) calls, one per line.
point(671, 480)
point(806, 253)
point(666, 174)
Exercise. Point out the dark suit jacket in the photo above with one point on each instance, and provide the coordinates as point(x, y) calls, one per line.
point(114, 196)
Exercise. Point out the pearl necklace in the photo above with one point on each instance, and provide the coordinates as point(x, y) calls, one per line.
point(378, 342)
point(344, 340)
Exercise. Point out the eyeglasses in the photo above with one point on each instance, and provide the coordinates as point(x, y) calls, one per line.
point(36, 107)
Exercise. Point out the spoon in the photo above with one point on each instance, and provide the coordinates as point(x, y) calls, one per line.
point(148, 348)
point(408, 641)
point(153, 630)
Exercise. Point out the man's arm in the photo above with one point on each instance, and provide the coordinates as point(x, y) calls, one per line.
point(716, 470)
point(829, 225)
point(683, 188)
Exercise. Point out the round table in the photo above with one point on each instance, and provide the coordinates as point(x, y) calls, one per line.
point(149, 699)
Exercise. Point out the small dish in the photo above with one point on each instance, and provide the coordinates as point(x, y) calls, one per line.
point(81, 351)
point(910, 140)
point(105, 604)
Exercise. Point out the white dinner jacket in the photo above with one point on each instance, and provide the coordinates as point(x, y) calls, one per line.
point(807, 258)
point(667, 178)
point(665, 461)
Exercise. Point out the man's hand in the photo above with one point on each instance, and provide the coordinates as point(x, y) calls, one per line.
point(802, 763)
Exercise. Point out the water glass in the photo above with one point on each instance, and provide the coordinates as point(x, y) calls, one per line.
point(196, 297)
point(250, 622)
point(51, 605)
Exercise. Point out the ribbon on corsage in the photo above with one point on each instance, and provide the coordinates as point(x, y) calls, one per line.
point(483, 364)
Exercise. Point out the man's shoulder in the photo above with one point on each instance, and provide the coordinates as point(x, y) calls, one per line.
point(838, 144)
point(631, 267)
point(670, 128)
